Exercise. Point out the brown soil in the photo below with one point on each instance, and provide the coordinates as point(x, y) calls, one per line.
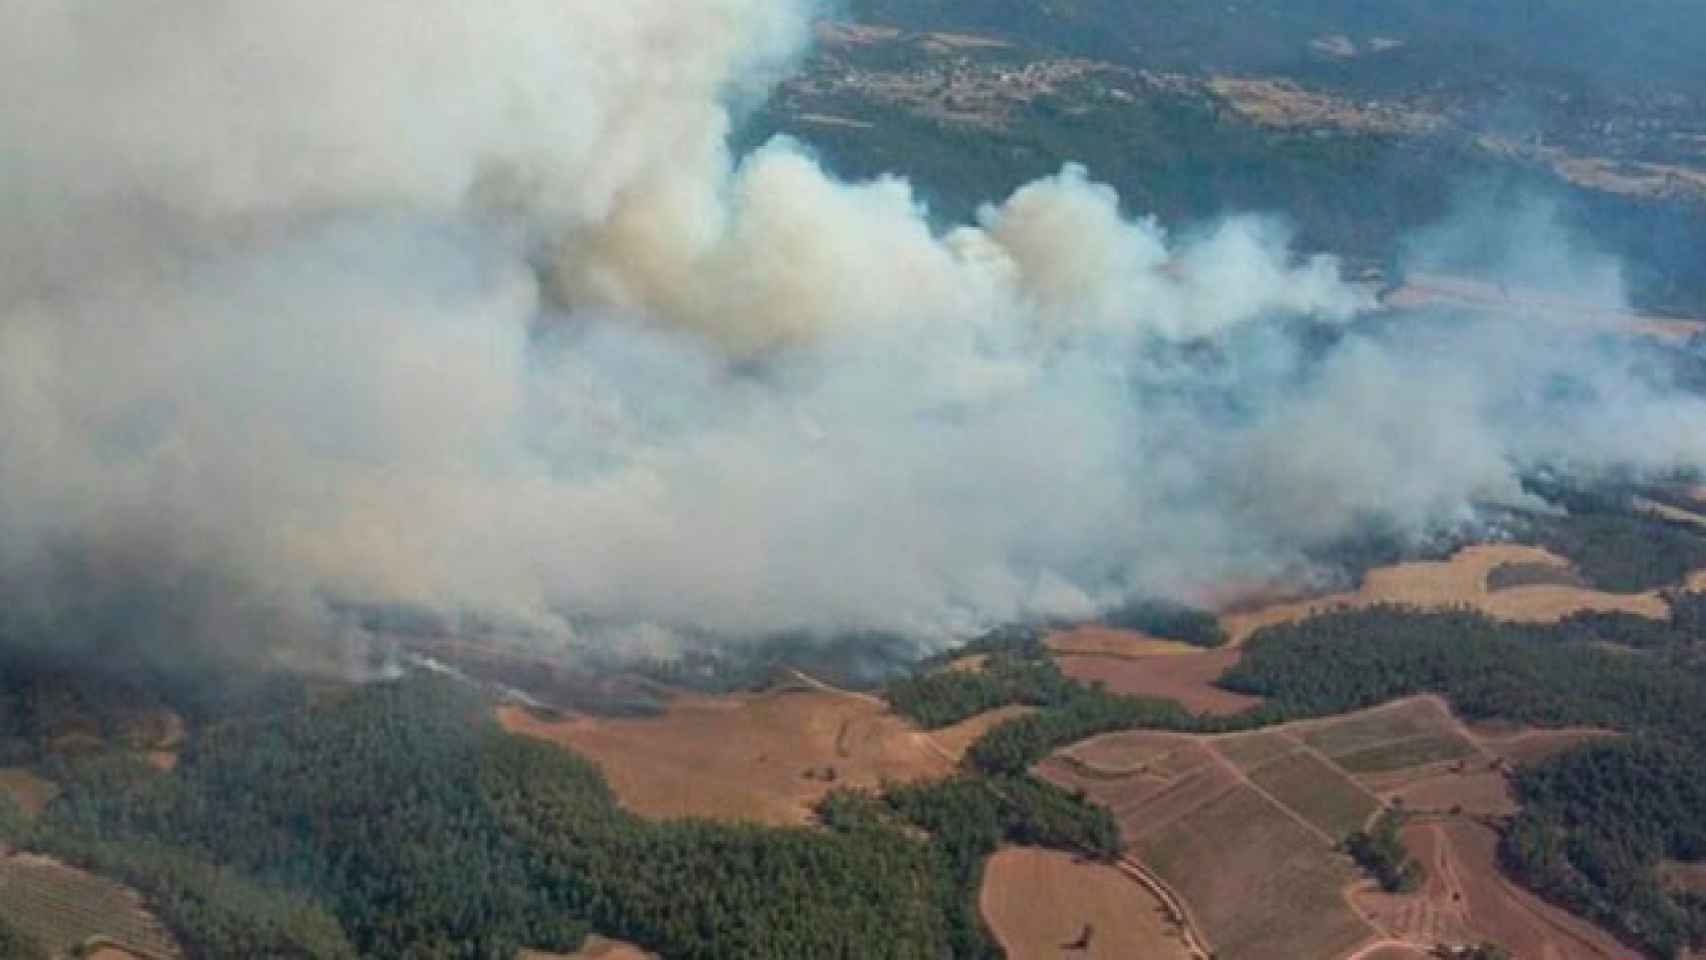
point(767, 757)
point(1187, 678)
point(970, 663)
point(1395, 952)
point(31, 792)
point(1533, 746)
point(1466, 900)
point(1459, 581)
point(1038, 902)
point(1684, 876)
point(1473, 792)
point(1099, 641)
point(161, 759)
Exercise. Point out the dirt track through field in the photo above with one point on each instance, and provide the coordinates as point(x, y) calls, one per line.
point(1168, 800)
point(1466, 899)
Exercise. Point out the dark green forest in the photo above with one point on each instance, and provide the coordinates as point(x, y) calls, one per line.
point(398, 820)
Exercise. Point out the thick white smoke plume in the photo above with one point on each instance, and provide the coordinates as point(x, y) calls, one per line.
point(465, 306)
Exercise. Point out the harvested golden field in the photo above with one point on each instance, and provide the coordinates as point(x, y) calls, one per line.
point(767, 756)
point(61, 907)
point(1040, 903)
point(1459, 581)
point(1465, 899)
point(1095, 640)
point(31, 792)
point(1261, 884)
point(1187, 678)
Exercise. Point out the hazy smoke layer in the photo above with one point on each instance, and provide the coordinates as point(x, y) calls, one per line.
point(466, 307)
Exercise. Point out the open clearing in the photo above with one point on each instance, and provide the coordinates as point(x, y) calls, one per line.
point(1039, 902)
point(767, 756)
point(1095, 640)
point(595, 948)
point(61, 907)
point(31, 792)
point(955, 740)
point(1684, 876)
point(1186, 677)
point(1465, 899)
point(1459, 581)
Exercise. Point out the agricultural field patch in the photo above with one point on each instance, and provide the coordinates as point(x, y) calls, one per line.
point(1476, 792)
point(1405, 754)
point(1260, 883)
point(32, 793)
point(1248, 751)
point(1140, 751)
point(1317, 792)
point(1188, 678)
point(1534, 746)
point(1096, 640)
point(766, 757)
point(1466, 899)
point(1690, 877)
point(1406, 720)
point(62, 908)
point(1042, 903)
point(1462, 580)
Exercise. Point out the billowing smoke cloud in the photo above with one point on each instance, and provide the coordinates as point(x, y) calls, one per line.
point(317, 305)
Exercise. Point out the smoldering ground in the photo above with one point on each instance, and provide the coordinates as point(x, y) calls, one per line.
point(316, 307)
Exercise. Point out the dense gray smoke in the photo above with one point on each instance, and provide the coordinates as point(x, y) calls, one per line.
point(466, 307)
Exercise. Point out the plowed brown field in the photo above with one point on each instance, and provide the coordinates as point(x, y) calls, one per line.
point(1188, 678)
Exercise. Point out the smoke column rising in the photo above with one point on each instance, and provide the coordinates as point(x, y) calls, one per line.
point(467, 307)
